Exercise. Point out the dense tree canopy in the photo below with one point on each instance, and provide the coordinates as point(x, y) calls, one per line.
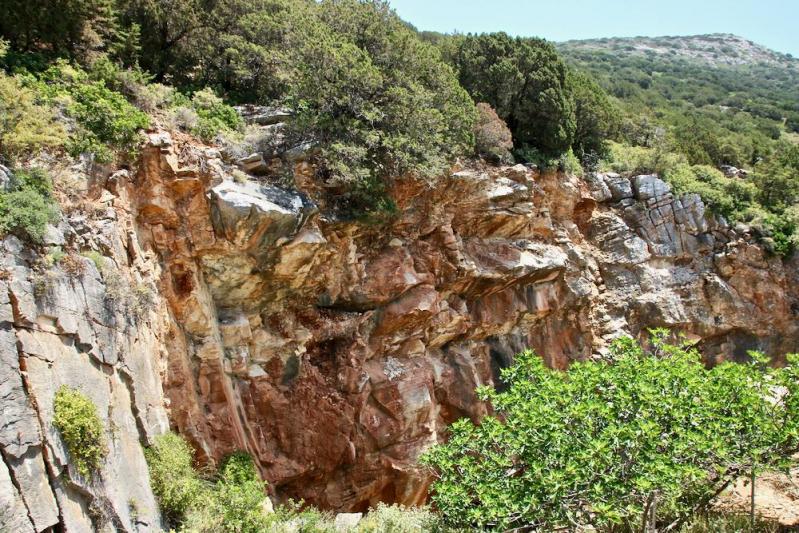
point(526, 82)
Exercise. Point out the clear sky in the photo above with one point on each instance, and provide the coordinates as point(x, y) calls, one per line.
point(773, 23)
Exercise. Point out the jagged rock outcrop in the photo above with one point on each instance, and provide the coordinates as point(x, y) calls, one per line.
point(336, 351)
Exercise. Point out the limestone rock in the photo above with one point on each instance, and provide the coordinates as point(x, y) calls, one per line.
point(649, 187)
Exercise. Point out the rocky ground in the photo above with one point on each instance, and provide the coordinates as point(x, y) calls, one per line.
point(248, 316)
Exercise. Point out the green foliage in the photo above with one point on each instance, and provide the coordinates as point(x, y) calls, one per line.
point(75, 416)
point(76, 28)
point(27, 125)
point(376, 101)
point(104, 121)
point(596, 117)
point(399, 519)
point(107, 119)
point(172, 476)
point(213, 115)
point(633, 160)
point(594, 445)
point(730, 197)
point(526, 82)
point(238, 496)
point(27, 206)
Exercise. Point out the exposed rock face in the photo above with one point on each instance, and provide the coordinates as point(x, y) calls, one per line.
point(337, 351)
point(76, 328)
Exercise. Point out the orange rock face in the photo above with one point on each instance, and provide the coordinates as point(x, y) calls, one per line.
point(337, 351)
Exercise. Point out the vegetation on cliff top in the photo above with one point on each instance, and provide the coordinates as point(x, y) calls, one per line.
point(373, 99)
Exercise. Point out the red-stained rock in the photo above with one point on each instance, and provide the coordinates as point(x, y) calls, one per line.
point(336, 352)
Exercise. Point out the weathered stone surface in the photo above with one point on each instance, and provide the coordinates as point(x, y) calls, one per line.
point(13, 513)
point(620, 187)
point(649, 187)
point(337, 351)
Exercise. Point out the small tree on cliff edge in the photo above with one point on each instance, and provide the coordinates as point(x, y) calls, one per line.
point(602, 444)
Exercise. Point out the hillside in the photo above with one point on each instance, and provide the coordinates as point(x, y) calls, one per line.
point(718, 49)
point(713, 76)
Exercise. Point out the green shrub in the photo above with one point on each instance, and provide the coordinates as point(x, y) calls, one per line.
point(107, 118)
point(213, 115)
point(173, 478)
point(27, 125)
point(104, 120)
point(632, 160)
point(235, 502)
point(239, 495)
point(593, 446)
point(75, 416)
point(27, 206)
point(727, 196)
point(399, 519)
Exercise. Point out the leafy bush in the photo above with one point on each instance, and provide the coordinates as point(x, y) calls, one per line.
point(598, 444)
point(492, 138)
point(173, 479)
point(238, 497)
point(727, 196)
point(26, 207)
point(632, 160)
point(26, 124)
point(106, 116)
point(75, 416)
point(104, 121)
point(213, 115)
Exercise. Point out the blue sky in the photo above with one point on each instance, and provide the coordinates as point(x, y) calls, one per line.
point(774, 23)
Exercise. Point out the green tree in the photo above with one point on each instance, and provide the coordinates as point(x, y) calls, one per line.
point(596, 117)
point(526, 82)
point(604, 442)
point(377, 101)
point(74, 28)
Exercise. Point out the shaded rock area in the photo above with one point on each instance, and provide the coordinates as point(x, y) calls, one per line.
point(248, 317)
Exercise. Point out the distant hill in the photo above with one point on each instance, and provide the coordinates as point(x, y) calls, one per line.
point(721, 84)
point(716, 49)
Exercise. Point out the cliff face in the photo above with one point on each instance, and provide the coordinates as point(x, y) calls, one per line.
point(337, 351)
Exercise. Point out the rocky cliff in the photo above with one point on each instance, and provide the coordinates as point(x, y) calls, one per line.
point(246, 315)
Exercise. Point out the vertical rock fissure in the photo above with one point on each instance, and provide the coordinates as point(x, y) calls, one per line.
point(17, 486)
